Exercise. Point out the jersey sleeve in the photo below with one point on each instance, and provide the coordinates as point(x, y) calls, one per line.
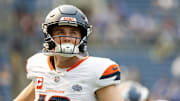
point(34, 67)
point(108, 73)
point(31, 73)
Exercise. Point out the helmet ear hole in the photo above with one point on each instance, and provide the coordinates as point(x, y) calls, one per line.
point(83, 31)
point(81, 48)
point(51, 45)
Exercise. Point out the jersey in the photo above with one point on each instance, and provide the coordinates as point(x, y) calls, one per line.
point(76, 83)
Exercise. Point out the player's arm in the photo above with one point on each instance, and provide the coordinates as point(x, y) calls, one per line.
point(28, 94)
point(109, 93)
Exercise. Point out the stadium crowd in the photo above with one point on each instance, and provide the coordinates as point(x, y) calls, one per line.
point(143, 35)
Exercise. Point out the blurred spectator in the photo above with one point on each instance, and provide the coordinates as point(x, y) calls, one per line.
point(167, 4)
point(176, 67)
point(176, 81)
point(131, 73)
point(167, 88)
point(5, 73)
point(165, 45)
point(114, 31)
point(160, 89)
point(108, 25)
point(26, 28)
point(24, 11)
point(142, 27)
point(133, 91)
point(26, 39)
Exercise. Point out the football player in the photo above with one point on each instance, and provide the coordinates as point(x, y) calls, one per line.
point(64, 71)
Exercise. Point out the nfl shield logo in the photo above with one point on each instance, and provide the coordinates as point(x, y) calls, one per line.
point(77, 87)
point(56, 78)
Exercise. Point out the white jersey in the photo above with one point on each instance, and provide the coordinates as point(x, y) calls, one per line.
point(76, 83)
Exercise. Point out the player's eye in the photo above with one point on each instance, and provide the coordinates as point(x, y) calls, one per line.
point(57, 33)
point(60, 33)
point(73, 33)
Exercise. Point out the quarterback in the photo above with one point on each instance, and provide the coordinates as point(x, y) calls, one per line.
point(64, 71)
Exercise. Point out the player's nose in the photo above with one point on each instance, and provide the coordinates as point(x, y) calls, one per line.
point(67, 39)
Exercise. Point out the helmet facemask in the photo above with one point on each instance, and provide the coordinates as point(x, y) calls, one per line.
point(77, 48)
point(67, 49)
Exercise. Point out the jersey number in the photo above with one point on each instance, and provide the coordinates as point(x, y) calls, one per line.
point(53, 98)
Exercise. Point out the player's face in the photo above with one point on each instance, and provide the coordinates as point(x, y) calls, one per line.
point(66, 34)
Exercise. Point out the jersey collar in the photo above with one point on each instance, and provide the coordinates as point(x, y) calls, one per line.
point(69, 69)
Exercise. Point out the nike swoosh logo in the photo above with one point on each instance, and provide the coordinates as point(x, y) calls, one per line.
point(115, 68)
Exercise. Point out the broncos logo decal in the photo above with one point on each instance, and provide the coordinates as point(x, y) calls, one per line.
point(111, 71)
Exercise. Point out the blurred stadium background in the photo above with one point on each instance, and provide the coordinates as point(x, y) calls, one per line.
point(142, 36)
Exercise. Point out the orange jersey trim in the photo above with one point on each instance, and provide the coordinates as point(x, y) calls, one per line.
point(111, 69)
point(49, 63)
point(47, 90)
point(77, 64)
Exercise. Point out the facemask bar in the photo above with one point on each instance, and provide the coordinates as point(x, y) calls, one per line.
point(58, 48)
point(60, 44)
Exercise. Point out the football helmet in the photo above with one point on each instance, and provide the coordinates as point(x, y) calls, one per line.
point(66, 15)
